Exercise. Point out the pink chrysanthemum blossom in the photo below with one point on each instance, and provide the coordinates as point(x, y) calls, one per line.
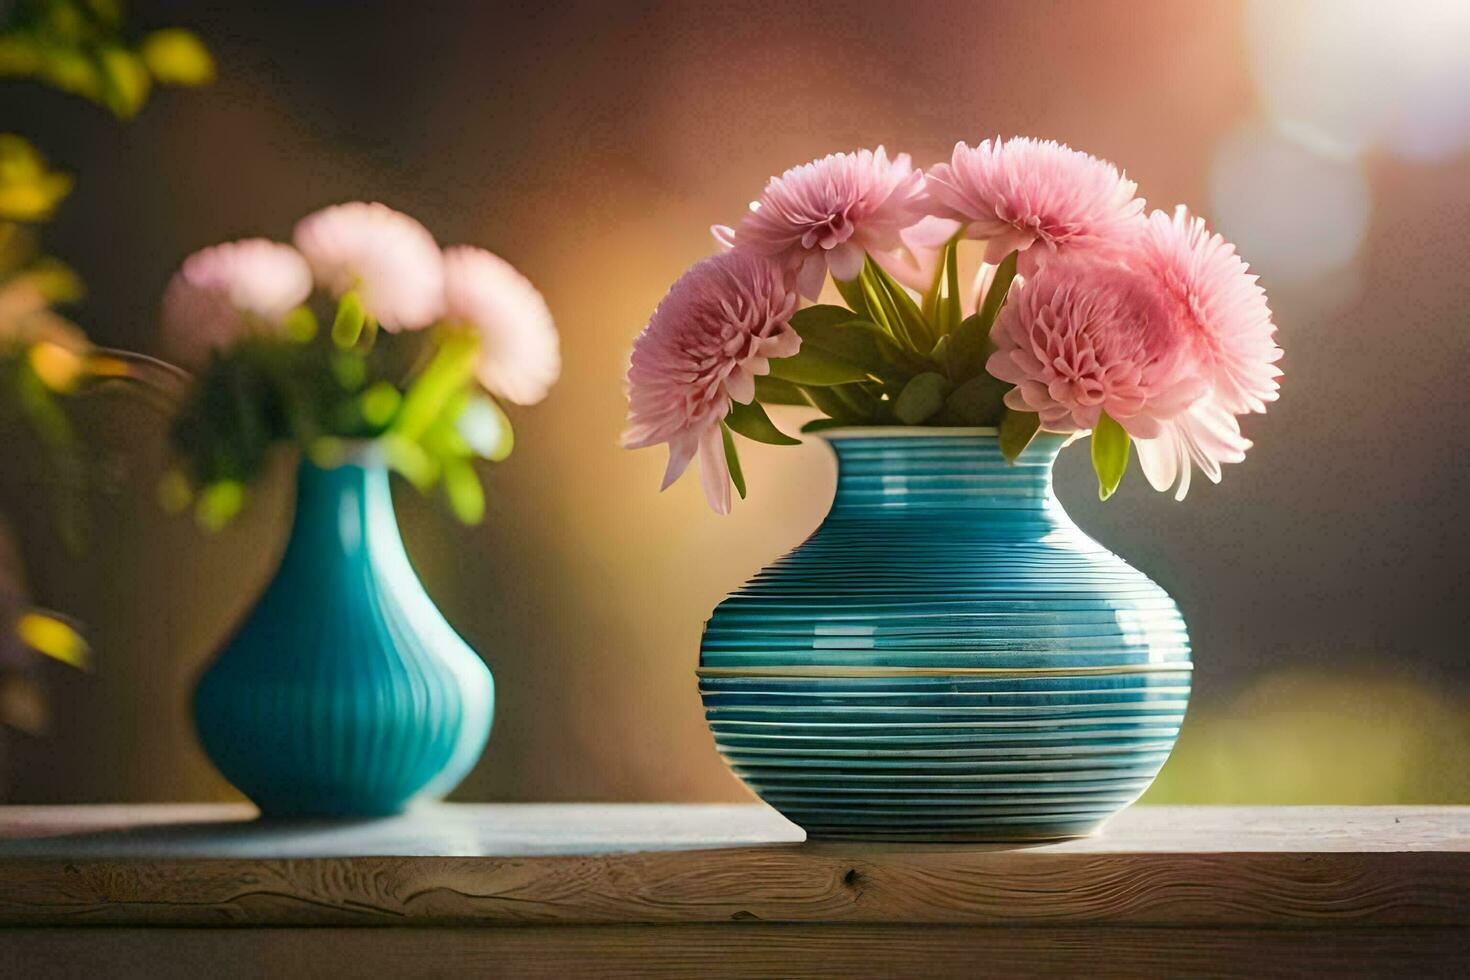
point(709, 338)
point(828, 213)
point(1037, 196)
point(1084, 336)
point(223, 292)
point(520, 357)
point(389, 258)
point(1221, 311)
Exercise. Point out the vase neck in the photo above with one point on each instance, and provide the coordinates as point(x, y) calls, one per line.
point(342, 511)
point(939, 471)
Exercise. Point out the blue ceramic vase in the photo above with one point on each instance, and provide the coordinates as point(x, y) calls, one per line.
point(947, 657)
point(344, 692)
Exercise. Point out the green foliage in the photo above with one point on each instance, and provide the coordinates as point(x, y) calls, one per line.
point(922, 398)
point(885, 359)
point(976, 402)
point(752, 422)
point(347, 325)
point(301, 325)
point(732, 460)
point(836, 331)
point(264, 393)
point(83, 47)
point(942, 302)
point(894, 309)
point(1110, 452)
point(462, 489)
point(29, 190)
point(1000, 288)
point(177, 57)
point(817, 368)
point(774, 391)
point(970, 345)
point(1017, 429)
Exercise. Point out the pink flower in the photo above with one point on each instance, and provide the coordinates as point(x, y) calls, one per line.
point(709, 338)
point(1084, 336)
point(1221, 312)
point(388, 257)
point(1024, 193)
point(520, 357)
point(828, 213)
point(225, 291)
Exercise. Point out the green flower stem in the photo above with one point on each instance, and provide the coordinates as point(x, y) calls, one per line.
point(447, 373)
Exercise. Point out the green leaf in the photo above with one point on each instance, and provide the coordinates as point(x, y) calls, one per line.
point(894, 309)
point(968, 349)
point(822, 314)
point(923, 396)
point(462, 488)
point(447, 372)
point(348, 323)
point(978, 401)
point(774, 391)
point(177, 57)
point(409, 460)
point(218, 504)
point(854, 403)
point(125, 81)
point(856, 341)
point(1110, 451)
point(852, 292)
point(53, 637)
point(300, 325)
point(732, 460)
point(1000, 288)
point(1017, 429)
point(942, 302)
point(752, 422)
point(816, 367)
point(818, 425)
point(379, 403)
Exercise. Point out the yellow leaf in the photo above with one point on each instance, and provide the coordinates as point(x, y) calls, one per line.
point(49, 635)
point(126, 81)
point(58, 367)
point(177, 57)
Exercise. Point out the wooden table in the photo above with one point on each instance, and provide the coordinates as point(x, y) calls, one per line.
point(707, 891)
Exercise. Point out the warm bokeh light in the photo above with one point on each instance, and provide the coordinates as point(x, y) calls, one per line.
point(1354, 75)
point(1293, 212)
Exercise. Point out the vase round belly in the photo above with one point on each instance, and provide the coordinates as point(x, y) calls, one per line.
point(344, 692)
point(947, 657)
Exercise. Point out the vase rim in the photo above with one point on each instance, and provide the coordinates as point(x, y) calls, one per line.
point(907, 431)
point(363, 452)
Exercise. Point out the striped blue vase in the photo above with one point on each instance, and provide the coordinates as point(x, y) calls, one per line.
point(345, 692)
point(947, 657)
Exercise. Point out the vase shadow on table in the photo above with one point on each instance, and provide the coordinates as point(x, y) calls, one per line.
point(436, 832)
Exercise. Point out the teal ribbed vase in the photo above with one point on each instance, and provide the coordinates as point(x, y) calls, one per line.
point(345, 692)
point(947, 657)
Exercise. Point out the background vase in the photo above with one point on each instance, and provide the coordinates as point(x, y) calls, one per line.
point(345, 692)
point(948, 656)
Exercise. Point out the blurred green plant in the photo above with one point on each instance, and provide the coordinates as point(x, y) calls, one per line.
point(324, 390)
point(83, 47)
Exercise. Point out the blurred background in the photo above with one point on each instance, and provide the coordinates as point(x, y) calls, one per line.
point(1326, 581)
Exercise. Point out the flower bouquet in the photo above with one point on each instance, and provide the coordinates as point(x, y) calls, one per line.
point(345, 691)
point(948, 656)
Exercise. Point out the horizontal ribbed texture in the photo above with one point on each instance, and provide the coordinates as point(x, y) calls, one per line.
point(937, 554)
point(345, 692)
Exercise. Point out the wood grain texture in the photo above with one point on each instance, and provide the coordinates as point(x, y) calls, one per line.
point(713, 952)
point(1232, 868)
